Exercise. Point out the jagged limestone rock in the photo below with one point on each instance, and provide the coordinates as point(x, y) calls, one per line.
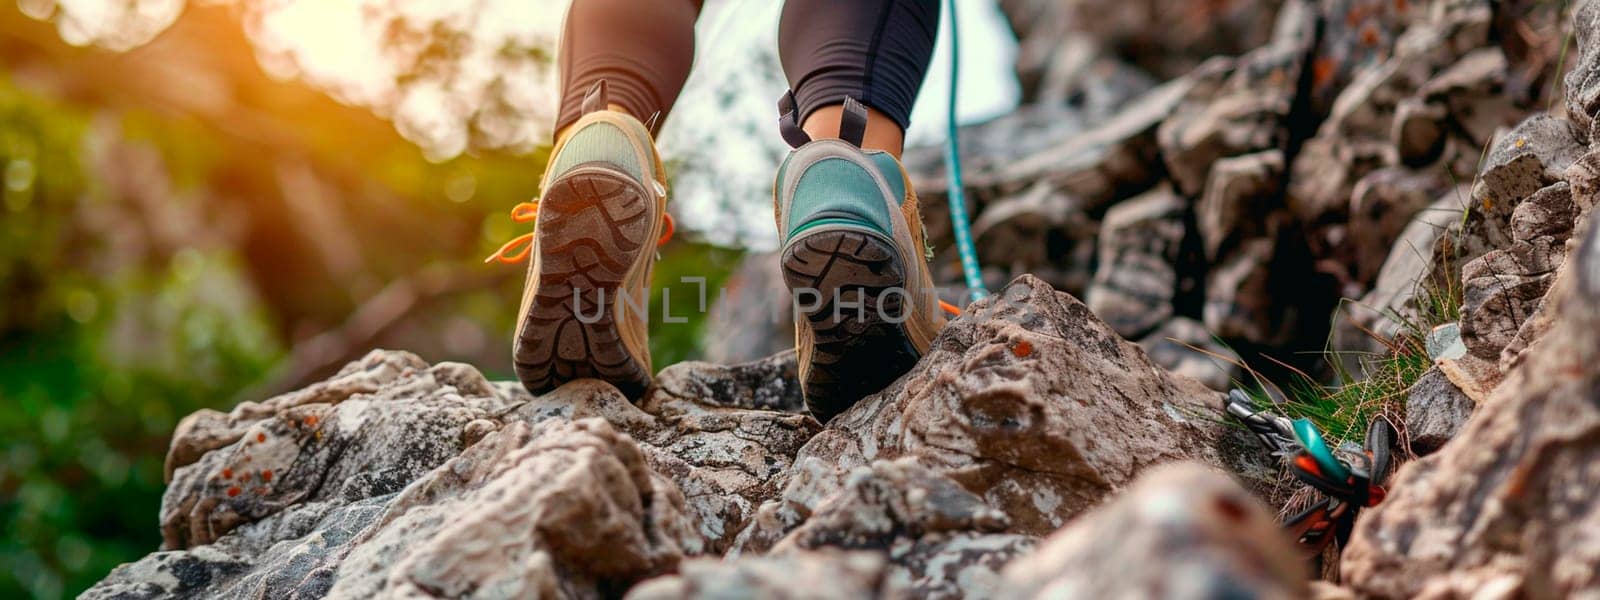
point(1137, 278)
point(890, 500)
point(1507, 508)
point(1502, 289)
point(559, 508)
point(1183, 346)
point(1435, 411)
point(942, 541)
point(1235, 107)
point(1411, 268)
point(1531, 156)
point(1042, 231)
point(1044, 154)
point(1164, 40)
point(1240, 298)
point(1548, 212)
point(339, 440)
point(1382, 204)
point(1029, 402)
point(1239, 195)
point(726, 436)
point(1582, 84)
point(343, 455)
point(1180, 531)
point(1472, 92)
point(827, 574)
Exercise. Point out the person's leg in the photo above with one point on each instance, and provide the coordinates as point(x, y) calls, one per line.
point(641, 49)
point(602, 209)
point(875, 51)
point(851, 234)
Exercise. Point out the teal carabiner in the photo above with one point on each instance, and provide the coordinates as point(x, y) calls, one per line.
point(1309, 438)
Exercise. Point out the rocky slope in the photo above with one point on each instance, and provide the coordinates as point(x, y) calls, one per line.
point(1247, 194)
point(1035, 451)
point(401, 478)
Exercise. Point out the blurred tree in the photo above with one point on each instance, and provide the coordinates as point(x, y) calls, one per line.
point(182, 230)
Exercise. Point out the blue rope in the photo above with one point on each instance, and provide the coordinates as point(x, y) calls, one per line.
point(952, 163)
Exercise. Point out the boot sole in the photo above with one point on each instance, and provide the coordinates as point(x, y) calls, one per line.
point(858, 351)
point(594, 222)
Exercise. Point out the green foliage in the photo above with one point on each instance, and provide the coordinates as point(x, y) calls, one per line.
point(1344, 411)
point(677, 291)
point(107, 338)
point(1382, 380)
point(97, 363)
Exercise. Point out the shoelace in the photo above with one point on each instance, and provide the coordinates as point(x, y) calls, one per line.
point(528, 212)
point(949, 308)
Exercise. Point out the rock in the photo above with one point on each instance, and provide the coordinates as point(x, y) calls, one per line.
point(1159, 39)
point(1531, 156)
point(1322, 176)
point(752, 317)
point(956, 566)
point(988, 147)
point(1419, 131)
point(1472, 92)
point(1418, 114)
point(1505, 287)
point(1354, 34)
point(1435, 411)
point(1584, 178)
point(1322, 590)
point(1183, 346)
point(726, 436)
point(1181, 531)
point(1582, 83)
point(339, 440)
point(562, 507)
point(1029, 402)
point(1083, 77)
point(207, 430)
point(890, 500)
point(1507, 509)
point(830, 574)
point(1501, 289)
point(1137, 277)
point(1239, 296)
point(1548, 212)
point(942, 541)
point(1412, 269)
point(569, 508)
point(1234, 108)
point(769, 383)
point(1381, 205)
point(1108, 162)
point(1035, 231)
point(1444, 342)
point(1047, 154)
point(388, 464)
point(1241, 191)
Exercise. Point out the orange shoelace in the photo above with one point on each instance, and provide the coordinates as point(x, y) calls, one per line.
point(528, 212)
point(952, 309)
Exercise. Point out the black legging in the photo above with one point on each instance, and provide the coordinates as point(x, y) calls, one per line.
point(875, 51)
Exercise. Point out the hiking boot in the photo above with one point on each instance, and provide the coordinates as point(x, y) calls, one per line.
point(852, 257)
point(598, 223)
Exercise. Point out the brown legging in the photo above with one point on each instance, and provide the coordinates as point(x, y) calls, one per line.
point(875, 51)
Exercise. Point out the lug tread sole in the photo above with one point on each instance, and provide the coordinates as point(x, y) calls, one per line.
point(594, 223)
point(856, 351)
